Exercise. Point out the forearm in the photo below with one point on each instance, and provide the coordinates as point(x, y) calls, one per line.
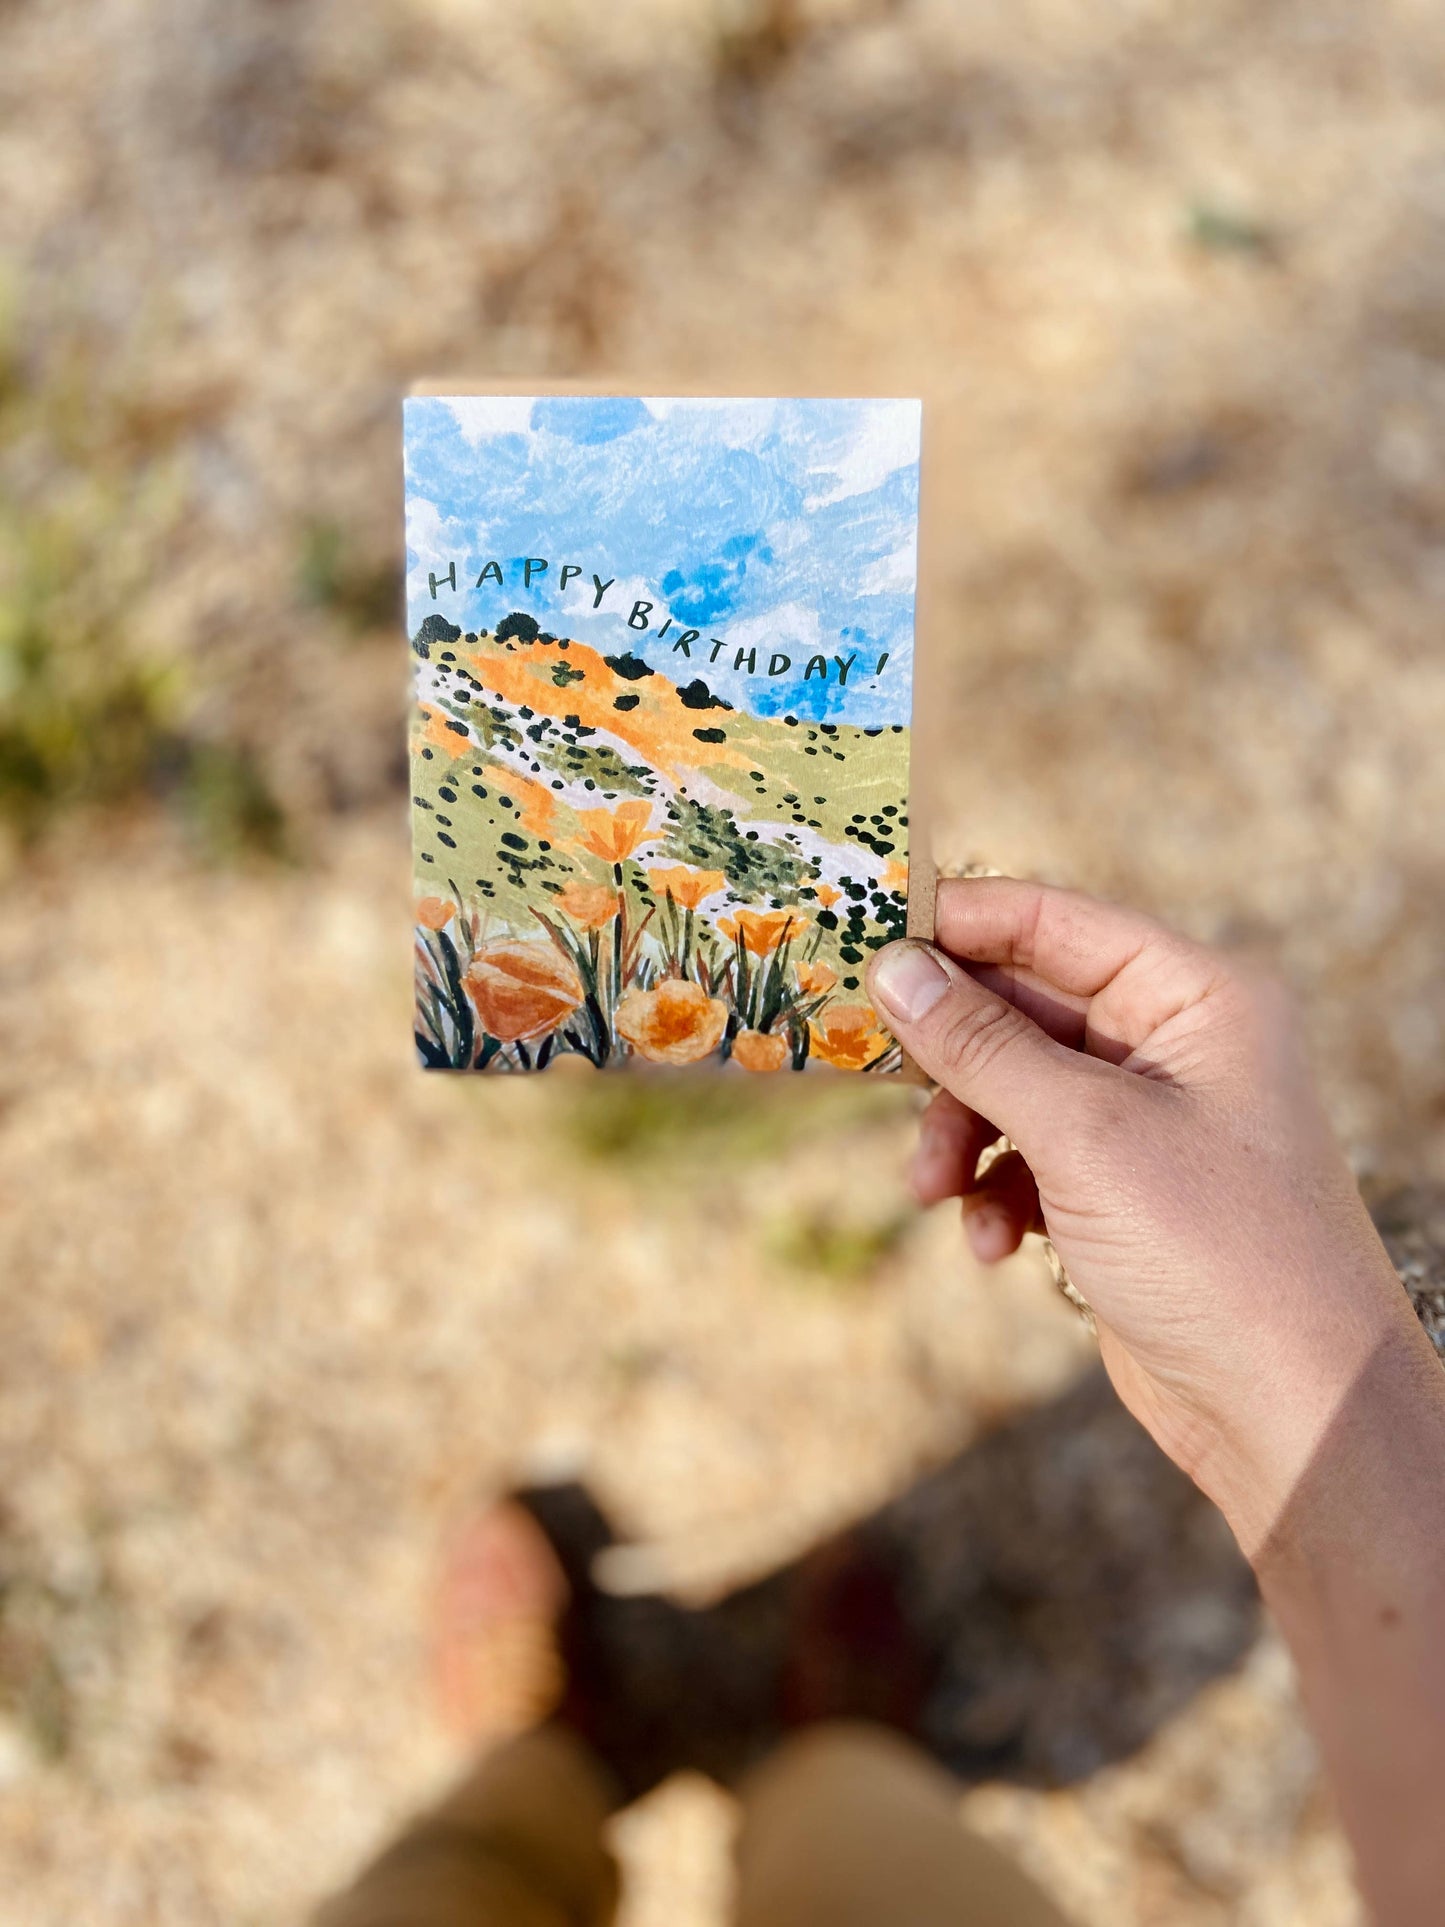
point(1176, 1149)
point(1354, 1572)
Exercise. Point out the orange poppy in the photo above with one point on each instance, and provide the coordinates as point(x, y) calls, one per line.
point(590, 904)
point(760, 1050)
point(615, 834)
point(763, 930)
point(847, 1036)
point(815, 978)
point(522, 988)
point(435, 913)
point(677, 1023)
point(687, 888)
point(827, 895)
point(895, 874)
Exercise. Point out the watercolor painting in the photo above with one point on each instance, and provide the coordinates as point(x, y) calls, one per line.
point(663, 663)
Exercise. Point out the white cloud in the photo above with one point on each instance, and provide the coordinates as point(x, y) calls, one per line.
point(576, 609)
point(479, 417)
point(733, 421)
point(437, 541)
point(887, 442)
point(430, 537)
point(891, 574)
point(792, 625)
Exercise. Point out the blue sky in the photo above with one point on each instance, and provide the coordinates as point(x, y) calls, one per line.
point(788, 527)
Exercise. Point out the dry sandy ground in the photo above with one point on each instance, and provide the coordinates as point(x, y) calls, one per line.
point(285, 1303)
point(1171, 279)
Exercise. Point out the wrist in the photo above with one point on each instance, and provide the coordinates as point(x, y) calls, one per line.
point(1353, 1571)
point(1345, 1436)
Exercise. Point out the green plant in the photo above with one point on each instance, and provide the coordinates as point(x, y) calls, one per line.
point(842, 1250)
point(703, 1120)
point(82, 713)
point(93, 711)
point(330, 575)
point(1222, 230)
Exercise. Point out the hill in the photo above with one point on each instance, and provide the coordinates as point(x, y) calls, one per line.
point(543, 770)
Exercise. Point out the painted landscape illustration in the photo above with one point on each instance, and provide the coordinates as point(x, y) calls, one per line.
point(662, 655)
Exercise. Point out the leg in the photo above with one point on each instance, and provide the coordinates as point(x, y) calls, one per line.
point(849, 1825)
point(518, 1844)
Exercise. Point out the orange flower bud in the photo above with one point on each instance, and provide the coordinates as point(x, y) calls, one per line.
point(522, 988)
point(435, 913)
point(759, 1050)
point(676, 1023)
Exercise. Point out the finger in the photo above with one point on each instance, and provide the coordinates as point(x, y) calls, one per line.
point(1133, 974)
point(1003, 1205)
point(1073, 941)
point(1062, 1013)
point(1083, 1023)
point(951, 1139)
point(989, 1055)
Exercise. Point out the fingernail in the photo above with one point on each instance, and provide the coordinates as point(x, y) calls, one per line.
point(909, 980)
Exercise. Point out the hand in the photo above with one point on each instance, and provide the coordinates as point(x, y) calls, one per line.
point(1170, 1140)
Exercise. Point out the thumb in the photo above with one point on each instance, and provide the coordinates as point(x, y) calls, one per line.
point(973, 1043)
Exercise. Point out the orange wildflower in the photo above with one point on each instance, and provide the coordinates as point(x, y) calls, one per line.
point(687, 888)
point(590, 904)
point(615, 834)
point(895, 874)
point(763, 930)
point(677, 1023)
point(522, 988)
point(847, 1036)
point(435, 913)
point(827, 895)
point(815, 978)
point(760, 1050)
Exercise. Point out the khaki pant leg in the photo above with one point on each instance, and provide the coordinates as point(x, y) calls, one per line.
point(851, 1826)
point(517, 1844)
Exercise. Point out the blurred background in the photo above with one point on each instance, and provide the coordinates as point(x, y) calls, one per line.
point(1172, 280)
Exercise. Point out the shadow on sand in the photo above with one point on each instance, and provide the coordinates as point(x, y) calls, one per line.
point(1032, 1610)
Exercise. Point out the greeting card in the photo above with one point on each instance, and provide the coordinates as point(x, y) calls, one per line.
point(663, 659)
